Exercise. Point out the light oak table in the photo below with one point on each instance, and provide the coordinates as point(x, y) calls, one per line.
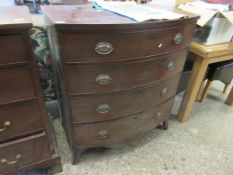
point(205, 56)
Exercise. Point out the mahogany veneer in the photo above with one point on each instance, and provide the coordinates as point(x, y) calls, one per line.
point(117, 77)
point(26, 139)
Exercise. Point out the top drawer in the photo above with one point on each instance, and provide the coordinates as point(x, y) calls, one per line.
point(12, 49)
point(93, 46)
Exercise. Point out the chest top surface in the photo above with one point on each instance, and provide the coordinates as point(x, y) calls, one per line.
point(86, 15)
point(15, 16)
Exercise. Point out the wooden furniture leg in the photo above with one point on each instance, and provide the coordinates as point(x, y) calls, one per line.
point(76, 156)
point(225, 88)
point(206, 90)
point(200, 92)
point(229, 100)
point(198, 73)
point(165, 125)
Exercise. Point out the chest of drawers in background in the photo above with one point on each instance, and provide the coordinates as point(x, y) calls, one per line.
point(117, 78)
point(26, 140)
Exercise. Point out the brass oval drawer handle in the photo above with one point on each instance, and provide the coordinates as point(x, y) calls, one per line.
point(104, 108)
point(178, 38)
point(103, 48)
point(171, 66)
point(17, 157)
point(5, 125)
point(103, 79)
point(164, 92)
point(102, 134)
point(159, 116)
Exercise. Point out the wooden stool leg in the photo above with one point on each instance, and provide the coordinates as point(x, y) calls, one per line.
point(205, 91)
point(225, 88)
point(229, 100)
point(200, 92)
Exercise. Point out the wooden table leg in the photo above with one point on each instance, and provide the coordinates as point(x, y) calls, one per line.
point(195, 81)
point(206, 90)
point(229, 100)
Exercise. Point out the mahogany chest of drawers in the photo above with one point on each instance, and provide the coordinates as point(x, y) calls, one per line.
point(26, 140)
point(117, 77)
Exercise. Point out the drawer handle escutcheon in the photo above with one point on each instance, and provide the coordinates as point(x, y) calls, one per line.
point(103, 48)
point(171, 66)
point(104, 108)
point(17, 157)
point(178, 38)
point(159, 116)
point(164, 92)
point(103, 79)
point(6, 124)
point(102, 134)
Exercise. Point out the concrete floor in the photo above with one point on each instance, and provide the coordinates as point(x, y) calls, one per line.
point(201, 146)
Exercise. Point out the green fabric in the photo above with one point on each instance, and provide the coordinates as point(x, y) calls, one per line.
point(42, 54)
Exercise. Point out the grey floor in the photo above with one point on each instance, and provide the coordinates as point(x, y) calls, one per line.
point(201, 146)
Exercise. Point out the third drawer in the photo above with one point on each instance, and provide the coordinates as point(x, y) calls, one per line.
point(19, 119)
point(100, 107)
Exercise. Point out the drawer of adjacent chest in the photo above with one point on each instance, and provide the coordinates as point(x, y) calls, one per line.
point(110, 132)
point(19, 119)
point(99, 78)
point(23, 152)
point(99, 107)
point(12, 49)
point(87, 47)
point(15, 84)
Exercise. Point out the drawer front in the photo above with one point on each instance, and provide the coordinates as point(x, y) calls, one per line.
point(101, 78)
point(19, 119)
point(20, 153)
point(15, 84)
point(12, 49)
point(110, 132)
point(89, 47)
point(99, 107)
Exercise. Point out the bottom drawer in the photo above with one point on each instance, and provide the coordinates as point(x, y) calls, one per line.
point(110, 132)
point(20, 153)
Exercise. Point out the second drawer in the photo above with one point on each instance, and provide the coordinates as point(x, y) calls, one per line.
point(99, 107)
point(97, 78)
point(16, 84)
